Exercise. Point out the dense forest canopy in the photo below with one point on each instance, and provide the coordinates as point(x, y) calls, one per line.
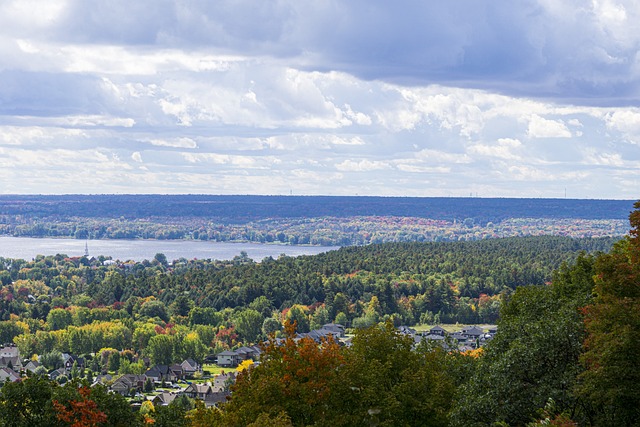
point(415, 282)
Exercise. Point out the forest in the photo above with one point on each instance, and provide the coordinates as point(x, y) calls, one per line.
point(567, 312)
point(327, 221)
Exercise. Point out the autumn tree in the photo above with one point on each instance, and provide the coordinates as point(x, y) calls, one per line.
point(611, 382)
point(384, 381)
point(294, 377)
point(81, 412)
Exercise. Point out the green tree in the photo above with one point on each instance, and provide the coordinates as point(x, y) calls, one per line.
point(205, 316)
point(59, 318)
point(142, 334)
point(172, 415)
point(52, 360)
point(383, 381)
point(154, 308)
point(248, 324)
point(27, 403)
point(161, 259)
point(297, 315)
point(193, 347)
point(160, 349)
point(270, 326)
point(181, 306)
point(535, 355)
point(611, 382)
point(8, 331)
point(114, 361)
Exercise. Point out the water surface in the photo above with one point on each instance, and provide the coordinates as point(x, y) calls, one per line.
point(138, 250)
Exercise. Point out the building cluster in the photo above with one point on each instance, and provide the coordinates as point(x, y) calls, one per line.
point(167, 381)
point(232, 358)
point(466, 338)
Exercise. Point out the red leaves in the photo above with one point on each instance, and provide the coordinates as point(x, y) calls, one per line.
point(80, 413)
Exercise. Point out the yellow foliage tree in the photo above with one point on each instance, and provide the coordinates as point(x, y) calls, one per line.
point(246, 364)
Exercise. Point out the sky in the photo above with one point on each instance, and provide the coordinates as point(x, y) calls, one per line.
point(481, 98)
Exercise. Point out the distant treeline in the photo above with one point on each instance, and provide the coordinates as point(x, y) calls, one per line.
point(247, 208)
point(328, 221)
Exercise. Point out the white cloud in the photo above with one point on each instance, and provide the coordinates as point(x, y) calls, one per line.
point(627, 122)
point(428, 99)
point(540, 127)
point(174, 142)
point(362, 165)
point(503, 149)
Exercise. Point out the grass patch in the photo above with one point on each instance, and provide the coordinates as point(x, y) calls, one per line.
point(214, 369)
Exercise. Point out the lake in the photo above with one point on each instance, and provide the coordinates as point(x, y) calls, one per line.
point(138, 250)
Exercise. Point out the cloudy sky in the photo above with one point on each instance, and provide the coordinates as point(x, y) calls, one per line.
point(490, 98)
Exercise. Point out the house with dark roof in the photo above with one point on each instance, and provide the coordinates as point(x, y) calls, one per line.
point(437, 330)
point(164, 398)
point(190, 367)
point(127, 383)
point(215, 398)
point(57, 373)
point(159, 373)
point(177, 372)
point(8, 374)
point(198, 391)
point(472, 332)
point(231, 358)
point(336, 328)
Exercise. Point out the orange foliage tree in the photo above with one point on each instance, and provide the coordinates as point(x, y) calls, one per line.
point(294, 377)
point(83, 412)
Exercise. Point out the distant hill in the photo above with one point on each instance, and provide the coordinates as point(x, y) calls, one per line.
point(250, 208)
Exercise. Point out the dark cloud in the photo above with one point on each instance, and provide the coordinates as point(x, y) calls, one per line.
point(517, 48)
point(51, 94)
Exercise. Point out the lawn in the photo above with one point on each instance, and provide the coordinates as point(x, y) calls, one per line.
point(214, 369)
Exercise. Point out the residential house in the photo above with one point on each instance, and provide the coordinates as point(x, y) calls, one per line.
point(434, 337)
point(57, 373)
point(10, 357)
point(437, 330)
point(102, 379)
point(336, 328)
point(7, 374)
point(246, 353)
point(164, 398)
point(215, 398)
point(31, 365)
point(9, 350)
point(159, 373)
point(221, 382)
point(177, 372)
point(124, 384)
point(198, 391)
point(71, 359)
point(190, 367)
point(473, 332)
point(228, 358)
point(406, 330)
